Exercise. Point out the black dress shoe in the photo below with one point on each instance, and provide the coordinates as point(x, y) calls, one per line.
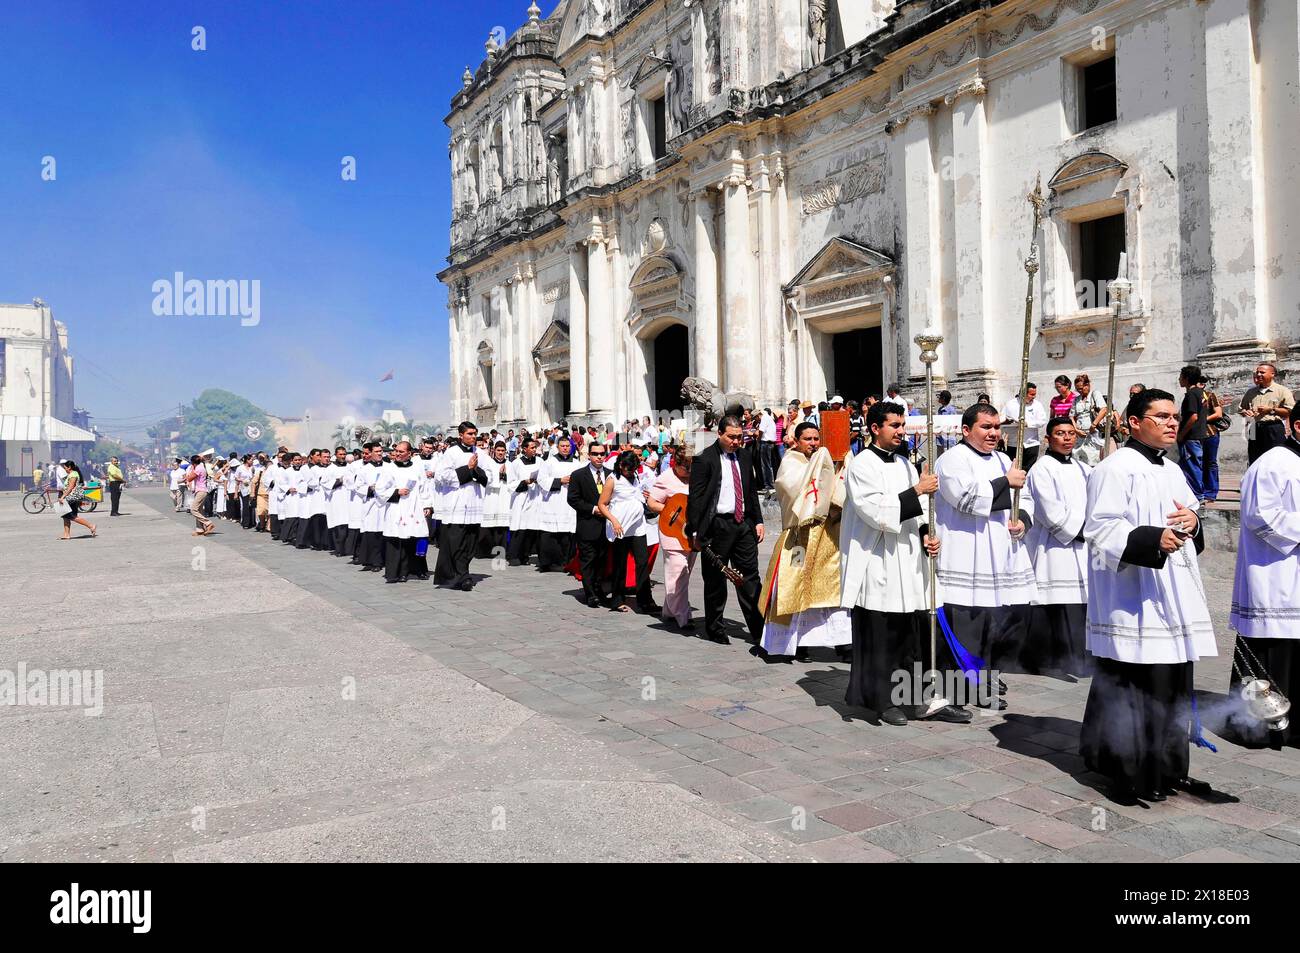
point(953, 714)
point(466, 586)
point(1002, 687)
point(719, 637)
point(1155, 796)
point(893, 716)
point(594, 603)
point(996, 704)
point(801, 655)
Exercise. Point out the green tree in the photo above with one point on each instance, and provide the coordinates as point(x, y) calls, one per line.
point(218, 419)
point(105, 449)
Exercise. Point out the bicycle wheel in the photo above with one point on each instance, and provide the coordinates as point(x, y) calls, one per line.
point(34, 501)
point(88, 505)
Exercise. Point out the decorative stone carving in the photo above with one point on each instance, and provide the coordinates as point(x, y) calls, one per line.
point(554, 292)
point(896, 125)
point(971, 87)
point(706, 396)
point(1038, 24)
point(854, 289)
point(656, 237)
point(915, 73)
point(848, 185)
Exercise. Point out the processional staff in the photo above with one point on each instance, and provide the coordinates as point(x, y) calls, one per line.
point(929, 345)
point(1036, 200)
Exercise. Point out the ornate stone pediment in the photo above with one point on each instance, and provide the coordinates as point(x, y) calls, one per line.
point(844, 276)
point(1086, 168)
point(840, 258)
point(656, 288)
point(651, 64)
point(551, 352)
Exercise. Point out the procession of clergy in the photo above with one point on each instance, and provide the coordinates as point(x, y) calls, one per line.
point(1066, 570)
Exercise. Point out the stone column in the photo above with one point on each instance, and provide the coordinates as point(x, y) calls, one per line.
point(706, 289)
point(600, 329)
point(968, 343)
point(919, 204)
point(769, 301)
point(504, 370)
point(453, 354)
point(1232, 211)
point(741, 363)
point(578, 329)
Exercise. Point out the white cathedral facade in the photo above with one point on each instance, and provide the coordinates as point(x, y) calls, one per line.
point(777, 195)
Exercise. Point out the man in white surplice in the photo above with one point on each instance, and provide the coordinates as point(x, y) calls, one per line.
point(525, 502)
point(1058, 485)
point(397, 488)
point(1265, 607)
point(459, 483)
point(1147, 616)
point(885, 578)
point(985, 576)
point(370, 545)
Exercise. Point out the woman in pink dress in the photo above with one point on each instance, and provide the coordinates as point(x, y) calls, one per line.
point(678, 562)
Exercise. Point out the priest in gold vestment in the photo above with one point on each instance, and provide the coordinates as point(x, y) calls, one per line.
point(801, 588)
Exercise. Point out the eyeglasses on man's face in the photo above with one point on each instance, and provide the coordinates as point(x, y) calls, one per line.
point(1162, 419)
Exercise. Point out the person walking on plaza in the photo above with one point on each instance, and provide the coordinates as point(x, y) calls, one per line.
point(115, 482)
point(1266, 407)
point(1192, 429)
point(71, 494)
point(723, 512)
point(678, 562)
point(176, 484)
point(1148, 621)
point(1267, 578)
point(196, 478)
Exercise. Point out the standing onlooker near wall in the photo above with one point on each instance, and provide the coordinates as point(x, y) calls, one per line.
point(1266, 407)
point(1192, 429)
point(1214, 425)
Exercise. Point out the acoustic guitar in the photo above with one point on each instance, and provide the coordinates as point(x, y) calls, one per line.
point(673, 522)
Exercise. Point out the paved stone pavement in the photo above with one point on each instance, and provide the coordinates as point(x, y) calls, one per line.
point(769, 743)
point(245, 717)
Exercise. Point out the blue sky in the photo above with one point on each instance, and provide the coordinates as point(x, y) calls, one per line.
point(225, 164)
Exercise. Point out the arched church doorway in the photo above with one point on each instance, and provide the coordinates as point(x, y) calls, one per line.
point(857, 363)
point(670, 352)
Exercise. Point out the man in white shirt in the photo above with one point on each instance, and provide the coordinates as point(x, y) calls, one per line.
point(892, 396)
point(1035, 421)
point(767, 448)
point(176, 484)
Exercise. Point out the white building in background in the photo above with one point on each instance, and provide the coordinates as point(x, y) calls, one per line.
point(36, 393)
point(777, 195)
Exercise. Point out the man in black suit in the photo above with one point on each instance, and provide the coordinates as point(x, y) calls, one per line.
point(585, 486)
point(723, 511)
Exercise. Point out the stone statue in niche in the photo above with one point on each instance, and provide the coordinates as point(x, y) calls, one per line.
point(680, 84)
point(628, 121)
point(713, 49)
point(817, 30)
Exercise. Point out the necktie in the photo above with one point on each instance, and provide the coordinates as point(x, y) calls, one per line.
point(740, 493)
